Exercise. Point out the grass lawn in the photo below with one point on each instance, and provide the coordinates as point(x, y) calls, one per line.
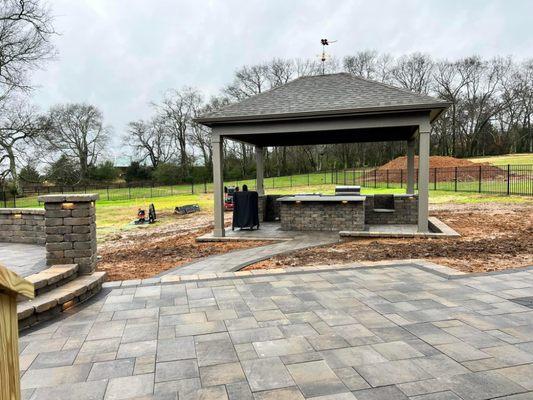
point(116, 216)
point(505, 159)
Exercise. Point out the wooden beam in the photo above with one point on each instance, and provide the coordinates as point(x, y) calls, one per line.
point(11, 286)
point(11, 283)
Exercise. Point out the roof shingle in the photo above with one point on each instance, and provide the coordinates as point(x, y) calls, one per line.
point(323, 94)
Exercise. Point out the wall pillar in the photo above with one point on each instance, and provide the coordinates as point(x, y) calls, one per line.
point(423, 178)
point(410, 166)
point(218, 185)
point(70, 230)
point(260, 170)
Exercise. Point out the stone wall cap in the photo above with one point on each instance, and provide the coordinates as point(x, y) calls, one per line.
point(60, 198)
point(32, 211)
point(321, 199)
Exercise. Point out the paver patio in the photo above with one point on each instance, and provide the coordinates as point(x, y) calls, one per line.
point(390, 332)
point(23, 259)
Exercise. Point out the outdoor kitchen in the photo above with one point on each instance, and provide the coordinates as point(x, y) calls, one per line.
point(346, 210)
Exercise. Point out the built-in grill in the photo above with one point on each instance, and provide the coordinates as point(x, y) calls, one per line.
point(347, 190)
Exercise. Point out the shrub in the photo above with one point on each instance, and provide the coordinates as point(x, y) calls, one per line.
point(167, 173)
point(104, 172)
point(137, 172)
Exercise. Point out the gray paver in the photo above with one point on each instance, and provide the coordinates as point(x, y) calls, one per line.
point(111, 369)
point(393, 372)
point(291, 393)
point(316, 335)
point(267, 374)
point(221, 374)
point(130, 387)
point(36, 378)
point(54, 359)
point(282, 347)
point(78, 391)
point(174, 370)
point(315, 378)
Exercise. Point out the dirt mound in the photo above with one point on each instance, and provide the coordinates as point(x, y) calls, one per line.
point(434, 162)
point(446, 169)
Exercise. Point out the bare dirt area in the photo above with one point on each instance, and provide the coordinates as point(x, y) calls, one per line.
point(495, 236)
point(149, 250)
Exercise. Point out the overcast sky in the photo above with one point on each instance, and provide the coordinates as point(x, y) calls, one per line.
point(122, 54)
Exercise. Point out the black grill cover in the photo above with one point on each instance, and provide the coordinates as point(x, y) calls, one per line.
point(245, 210)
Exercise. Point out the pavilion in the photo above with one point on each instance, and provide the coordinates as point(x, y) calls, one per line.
point(327, 109)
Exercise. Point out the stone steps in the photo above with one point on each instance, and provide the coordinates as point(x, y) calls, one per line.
point(55, 276)
point(59, 299)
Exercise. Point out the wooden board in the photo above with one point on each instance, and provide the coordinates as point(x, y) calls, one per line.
point(13, 284)
point(9, 354)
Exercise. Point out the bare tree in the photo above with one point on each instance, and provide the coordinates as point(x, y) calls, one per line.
point(248, 81)
point(18, 125)
point(201, 134)
point(150, 140)
point(413, 72)
point(76, 131)
point(176, 112)
point(25, 33)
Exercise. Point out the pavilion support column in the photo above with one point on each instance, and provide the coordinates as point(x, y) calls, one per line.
point(260, 170)
point(423, 178)
point(218, 185)
point(411, 166)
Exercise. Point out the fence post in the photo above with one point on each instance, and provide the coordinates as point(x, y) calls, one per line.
point(375, 177)
point(308, 183)
point(479, 181)
point(387, 178)
point(455, 179)
point(129, 191)
point(508, 179)
point(107, 190)
point(192, 186)
point(4, 196)
point(401, 178)
point(205, 186)
point(435, 179)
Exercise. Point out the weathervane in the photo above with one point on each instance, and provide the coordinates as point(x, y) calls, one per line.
point(324, 56)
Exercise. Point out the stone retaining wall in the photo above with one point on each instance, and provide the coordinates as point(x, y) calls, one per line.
point(22, 225)
point(324, 216)
point(70, 227)
point(405, 211)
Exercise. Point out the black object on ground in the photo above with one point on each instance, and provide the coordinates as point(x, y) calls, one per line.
point(141, 216)
point(245, 210)
point(187, 209)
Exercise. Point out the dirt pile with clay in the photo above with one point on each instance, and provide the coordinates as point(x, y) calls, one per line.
point(447, 169)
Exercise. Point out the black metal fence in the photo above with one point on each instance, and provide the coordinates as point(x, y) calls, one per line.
point(483, 178)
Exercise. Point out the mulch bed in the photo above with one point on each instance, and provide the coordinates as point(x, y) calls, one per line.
point(144, 253)
point(494, 237)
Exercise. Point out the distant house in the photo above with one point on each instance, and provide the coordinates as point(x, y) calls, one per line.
point(122, 163)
